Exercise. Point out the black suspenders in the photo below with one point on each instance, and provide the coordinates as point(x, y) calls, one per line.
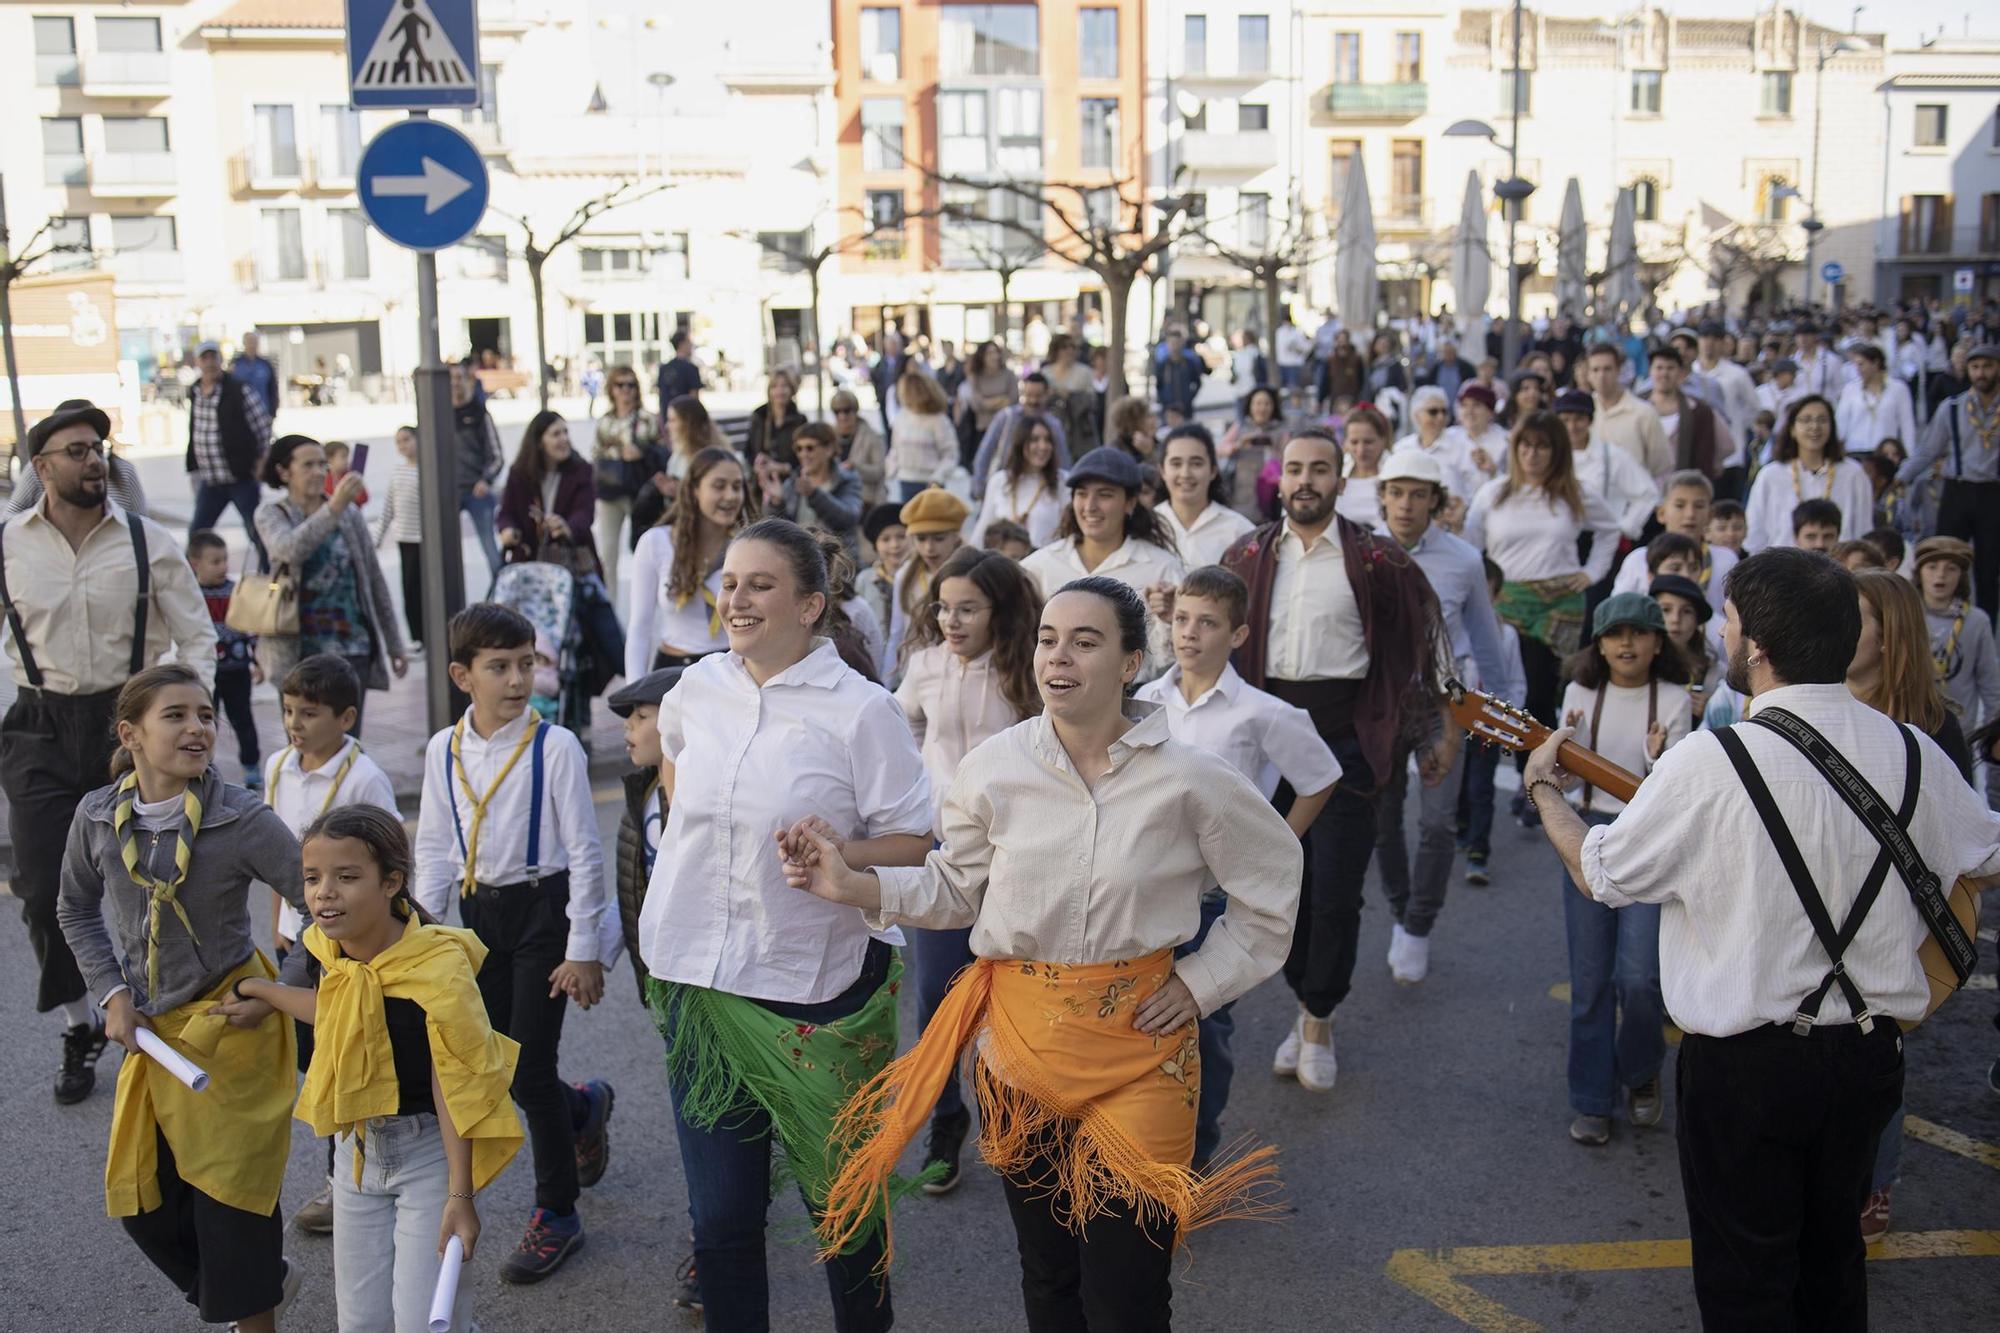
point(29, 666)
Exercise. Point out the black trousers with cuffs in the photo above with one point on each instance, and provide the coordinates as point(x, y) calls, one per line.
point(229, 1263)
point(525, 928)
point(1777, 1137)
point(1971, 510)
point(54, 749)
point(1114, 1277)
point(413, 588)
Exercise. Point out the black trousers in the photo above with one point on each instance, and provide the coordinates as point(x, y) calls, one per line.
point(413, 588)
point(1777, 1138)
point(229, 1263)
point(1113, 1278)
point(1971, 510)
point(525, 928)
point(54, 748)
point(1542, 669)
point(232, 691)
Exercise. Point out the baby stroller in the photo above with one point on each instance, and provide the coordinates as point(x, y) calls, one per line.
point(572, 611)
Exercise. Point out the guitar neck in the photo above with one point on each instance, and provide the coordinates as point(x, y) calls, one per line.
point(1598, 771)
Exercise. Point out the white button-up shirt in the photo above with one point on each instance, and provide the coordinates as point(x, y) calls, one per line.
point(1736, 951)
point(1775, 494)
point(1633, 576)
point(1532, 535)
point(952, 704)
point(816, 739)
point(1315, 631)
point(1137, 564)
point(300, 796)
point(1046, 868)
point(1258, 734)
point(1204, 541)
point(568, 817)
point(1616, 478)
point(654, 620)
point(1867, 417)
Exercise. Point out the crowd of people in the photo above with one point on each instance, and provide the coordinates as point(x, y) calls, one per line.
point(926, 683)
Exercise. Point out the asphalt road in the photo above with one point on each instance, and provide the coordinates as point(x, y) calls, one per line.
point(1436, 1188)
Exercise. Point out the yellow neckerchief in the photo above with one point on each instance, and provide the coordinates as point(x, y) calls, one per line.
point(1942, 658)
point(1798, 487)
point(707, 599)
point(478, 803)
point(339, 775)
point(352, 1077)
point(159, 893)
point(1013, 488)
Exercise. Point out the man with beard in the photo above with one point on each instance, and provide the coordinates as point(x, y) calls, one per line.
point(1342, 624)
point(1792, 1060)
point(93, 595)
point(1965, 433)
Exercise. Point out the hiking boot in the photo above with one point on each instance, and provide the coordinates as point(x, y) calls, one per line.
point(1285, 1064)
point(947, 1138)
point(1593, 1131)
point(1644, 1104)
point(687, 1286)
point(1475, 870)
point(549, 1240)
point(593, 1137)
point(316, 1218)
point(1875, 1217)
point(82, 1045)
point(1317, 1066)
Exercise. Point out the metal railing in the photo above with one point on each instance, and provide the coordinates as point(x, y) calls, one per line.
point(149, 268)
point(118, 72)
point(1377, 101)
point(149, 172)
point(1963, 239)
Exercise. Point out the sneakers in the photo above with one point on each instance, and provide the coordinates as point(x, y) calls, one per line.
point(1415, 963)
point(82, 1045)
point(1285, 1063)
point(947, 1137)
point(687, 1285)
point(1592, 1131)
point(253, 781)
point(1475, 870)
point(1317, 1066)
point(593, 1138)
point(549, 1240)
point(316, 1218)
point(1875, 1217)
point(1644, 1105)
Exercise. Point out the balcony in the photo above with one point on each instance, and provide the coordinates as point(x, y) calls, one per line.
point(65, 169)
point(1377, 101)
point(883, 245)
point(259, 174)
point(327, 175)
point(147, 175)
point(1216, 150)
point(1403, 214)
point(1207, 73)
point(126, 74)
point(149, 268)
point(1964, 241)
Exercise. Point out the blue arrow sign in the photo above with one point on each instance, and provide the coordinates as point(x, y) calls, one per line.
point(1831, 271)
point(413, 53)
point(423, 184)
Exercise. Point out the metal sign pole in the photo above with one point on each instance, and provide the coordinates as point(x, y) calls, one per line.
point(437, 452)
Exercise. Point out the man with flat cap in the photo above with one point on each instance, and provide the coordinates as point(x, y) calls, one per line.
point(93, 595)
point(1965, 433)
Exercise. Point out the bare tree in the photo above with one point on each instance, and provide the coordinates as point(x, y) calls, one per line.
point(1005, 257)
point(535, 253)
point(39, 246)
point(1756, 250)
point(1290, 250)
point(810, 262)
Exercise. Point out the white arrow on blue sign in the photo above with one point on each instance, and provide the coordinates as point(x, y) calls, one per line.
point(423, 184)
point(413, 53)
point(1831, 271)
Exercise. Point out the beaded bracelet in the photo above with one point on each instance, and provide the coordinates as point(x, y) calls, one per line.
point(454, 1194)
point(1550, 783)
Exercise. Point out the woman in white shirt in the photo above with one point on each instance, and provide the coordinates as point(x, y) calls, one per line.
point(971, 675)
point(1481, 442)
point(1076, 848)
point(1197, 510)
point(775, 1007)
point(1364, 438)
point(1808, 462)
point(673, 611)
point(1028, 488)
point(1528, 522)
point(923, 446)
point(1430, 413)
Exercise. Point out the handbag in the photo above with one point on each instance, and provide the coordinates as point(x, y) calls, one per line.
point(264, 603)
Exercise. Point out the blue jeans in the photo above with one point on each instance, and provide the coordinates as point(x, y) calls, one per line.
point(1614, 964)
point(212, 500)
point(939, 956)
point(1218, 1066)
point(481, 510)
point(385, 1229)
point(1475, 799)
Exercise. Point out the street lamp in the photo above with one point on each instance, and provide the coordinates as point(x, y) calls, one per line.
point(1812, 224)
point(1512, 192)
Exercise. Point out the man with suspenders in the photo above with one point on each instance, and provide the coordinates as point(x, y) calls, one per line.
point(1965, 433)
point(1798, 858)
point(93, 595)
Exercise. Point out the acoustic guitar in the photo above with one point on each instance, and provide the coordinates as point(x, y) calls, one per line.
point(1489, 720)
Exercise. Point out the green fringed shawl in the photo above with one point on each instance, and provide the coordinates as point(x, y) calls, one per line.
point(727, 1054)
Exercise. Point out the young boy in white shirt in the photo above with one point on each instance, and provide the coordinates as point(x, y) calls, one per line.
point(1211, 707)
point(508, 828)
point(320, 767)
point(1685, 503)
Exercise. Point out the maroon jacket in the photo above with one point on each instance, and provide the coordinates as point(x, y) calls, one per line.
point(1698, 438)
point(576, 505)
point(1400, 623)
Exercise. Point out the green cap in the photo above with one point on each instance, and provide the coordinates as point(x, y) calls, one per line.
point(1627, 608)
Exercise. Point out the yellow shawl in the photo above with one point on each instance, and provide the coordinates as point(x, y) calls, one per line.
point(229, 1142)
point(353, 1073)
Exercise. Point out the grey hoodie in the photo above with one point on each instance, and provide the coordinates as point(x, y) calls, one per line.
point(241, 840)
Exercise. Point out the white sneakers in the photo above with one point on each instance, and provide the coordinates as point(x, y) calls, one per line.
point(1317, 1066)
point(1285, 1063)
point(1409, 956)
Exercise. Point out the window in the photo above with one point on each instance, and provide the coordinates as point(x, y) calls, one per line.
point(1646, 92)
point(882, 45)
point(1771, 205)
point(1347, 57)
point(71, 239)
point(1198, 121)
point(881, 133)
point(1989, 222)
point(1996, 127)
point(1646, 199)
point(1340, 158)
point(1406, 179)
point(670, 255)
point(275, 154)
point(1099, 148)
point(1930, 127)
point(1100, 209)
point(601, 260)
point(128, 34)
point(1254, 220)
point(55, 51)
point(885, 210)
point(1927, 225)
point(1776, 98)
point(135, 134)
point(347, 243)
point(339, 142)
point(988, 39)
point(962, 143)
point(488, 110)
point(143, 233)
point(282, 255)
point(1516, 84)
point(1194, 44)
point(62, 150)
point(483, 258)
point(1097, 36)
point(1253, 44)
point(784, 250)
point(1409, 57)
point(1252, 117)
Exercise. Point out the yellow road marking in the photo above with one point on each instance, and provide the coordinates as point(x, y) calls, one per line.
point(1923, 1131)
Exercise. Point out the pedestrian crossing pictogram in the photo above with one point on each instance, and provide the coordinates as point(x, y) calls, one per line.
point(414, 51)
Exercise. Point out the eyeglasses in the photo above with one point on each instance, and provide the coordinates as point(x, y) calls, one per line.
point(847, 411)
point(961, 613)
point(1434, 412)
point(77, 451)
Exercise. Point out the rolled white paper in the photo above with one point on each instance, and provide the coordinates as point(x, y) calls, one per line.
point(446, 1293)
point(173, 1061)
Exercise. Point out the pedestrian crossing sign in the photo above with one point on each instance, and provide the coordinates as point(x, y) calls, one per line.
point(413, 53)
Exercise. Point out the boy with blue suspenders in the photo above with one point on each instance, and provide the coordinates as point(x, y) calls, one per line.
point(508, 822)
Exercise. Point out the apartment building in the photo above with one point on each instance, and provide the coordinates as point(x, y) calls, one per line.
point(1938, 227)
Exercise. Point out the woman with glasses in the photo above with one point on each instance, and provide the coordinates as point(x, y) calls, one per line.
point(1430, 411)
point(628, 455)
point(859, 446)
